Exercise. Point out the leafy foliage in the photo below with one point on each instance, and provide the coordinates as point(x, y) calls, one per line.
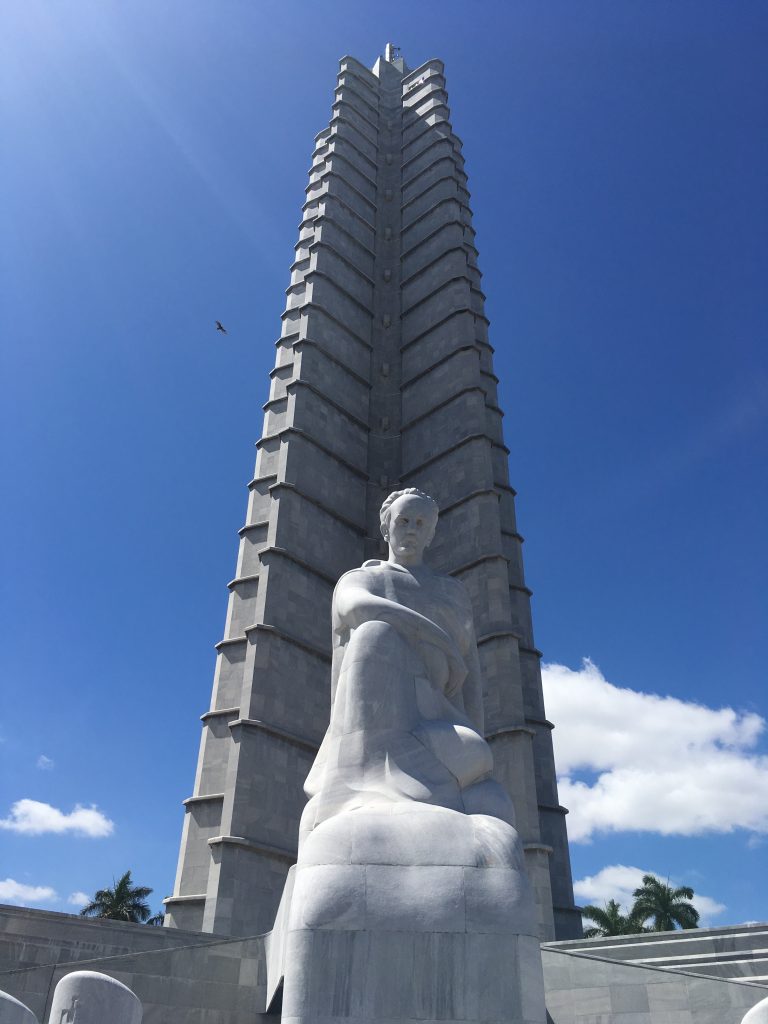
point(668, 907)
point(609, 920)
point(654, 901)
point(123, 902)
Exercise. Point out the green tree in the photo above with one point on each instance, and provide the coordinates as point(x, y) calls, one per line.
point(123, 902)
point(609, 920)
point(668, 907)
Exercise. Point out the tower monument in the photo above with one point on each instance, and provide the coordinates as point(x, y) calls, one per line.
point(383, 378)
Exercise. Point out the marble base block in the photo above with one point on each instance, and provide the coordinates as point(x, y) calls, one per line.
point(377, 932)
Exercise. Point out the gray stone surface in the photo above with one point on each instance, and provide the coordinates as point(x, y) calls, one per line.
point(410, 899)
point(33, 938)
point(739, 952)
point(14, 1012)
point(585, 989)
point(180, 977)
point(383, 377)
point(92, 998)
point(192, 978)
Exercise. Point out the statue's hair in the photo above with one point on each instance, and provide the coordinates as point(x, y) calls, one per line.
point(392, 498)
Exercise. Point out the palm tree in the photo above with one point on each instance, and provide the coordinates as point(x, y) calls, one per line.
point(667, 906)
point(123, 902)
point(609, 920)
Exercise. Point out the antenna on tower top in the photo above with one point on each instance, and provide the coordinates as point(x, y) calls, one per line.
point(391, 53)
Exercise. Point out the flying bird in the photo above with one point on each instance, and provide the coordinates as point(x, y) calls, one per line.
point(220, 327)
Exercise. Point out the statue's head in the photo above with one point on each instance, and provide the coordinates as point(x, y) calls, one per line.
point(408, 521)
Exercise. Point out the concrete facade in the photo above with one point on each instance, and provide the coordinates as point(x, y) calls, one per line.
point(195, 978)
point(736, 952)
point(30, 938)
point(180, 977)
point(586, 989)
point(383, 378)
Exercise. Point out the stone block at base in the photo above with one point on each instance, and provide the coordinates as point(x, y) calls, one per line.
point(368, 941)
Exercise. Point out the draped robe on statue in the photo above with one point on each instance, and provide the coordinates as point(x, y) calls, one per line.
point(410, 899)
point(403, 726)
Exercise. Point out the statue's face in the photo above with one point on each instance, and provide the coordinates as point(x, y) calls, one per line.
point(411, 527)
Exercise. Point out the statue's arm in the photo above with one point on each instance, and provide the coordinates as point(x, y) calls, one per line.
point(353, 605)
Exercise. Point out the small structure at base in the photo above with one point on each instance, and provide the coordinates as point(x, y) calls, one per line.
point(14, 1012)
point(87, 997)
point(758, 1014)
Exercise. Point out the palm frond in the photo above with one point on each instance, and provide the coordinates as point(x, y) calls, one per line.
point(123, 902)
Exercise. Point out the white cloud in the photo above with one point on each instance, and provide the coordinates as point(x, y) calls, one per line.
point(615, 882)
point(33, 818)
point(12, 891)
point(78, 899)
point(45, 763)
point(619, 881)
point(662, 765)
point(706, 906)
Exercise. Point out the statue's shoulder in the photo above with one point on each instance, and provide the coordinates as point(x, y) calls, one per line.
point(360, 574)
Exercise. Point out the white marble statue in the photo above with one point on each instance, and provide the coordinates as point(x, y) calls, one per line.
point(758, 1014)
point(406, 692)
point(410, 898)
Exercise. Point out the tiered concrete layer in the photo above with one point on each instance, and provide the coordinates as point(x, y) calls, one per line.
point(583, 989)
point(734, 952)
point(383, 378)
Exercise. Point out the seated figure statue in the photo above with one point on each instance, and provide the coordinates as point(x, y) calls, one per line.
point(410, 898)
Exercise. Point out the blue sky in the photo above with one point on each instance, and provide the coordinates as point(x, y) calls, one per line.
point(154, 166)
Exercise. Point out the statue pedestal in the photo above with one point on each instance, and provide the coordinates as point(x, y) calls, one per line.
point(377, 931)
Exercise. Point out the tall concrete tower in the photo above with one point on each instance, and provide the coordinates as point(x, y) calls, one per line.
point(383, 378)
